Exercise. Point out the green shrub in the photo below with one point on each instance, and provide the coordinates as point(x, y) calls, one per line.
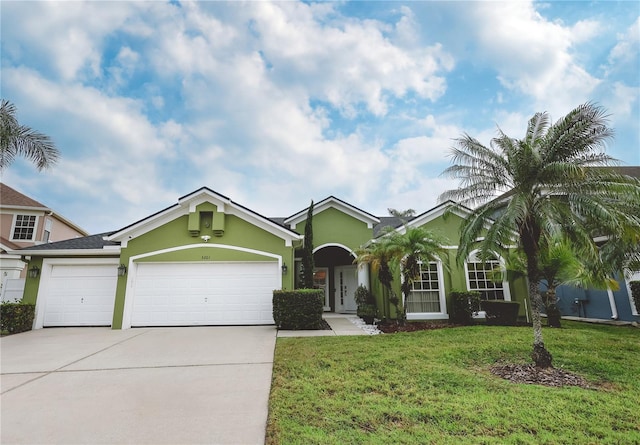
point(366, 302)
point(501, 313)
point(463, 306)
point(16, 317)
point(635, 293)
point(298, 309)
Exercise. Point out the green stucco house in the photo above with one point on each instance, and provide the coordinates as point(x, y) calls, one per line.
point(208, 260)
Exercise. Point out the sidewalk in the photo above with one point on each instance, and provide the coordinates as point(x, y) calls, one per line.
point(340, 324)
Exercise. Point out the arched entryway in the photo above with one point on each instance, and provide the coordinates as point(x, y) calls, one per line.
point(337, 273)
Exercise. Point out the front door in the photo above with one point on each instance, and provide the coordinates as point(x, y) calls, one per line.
point(346, 282)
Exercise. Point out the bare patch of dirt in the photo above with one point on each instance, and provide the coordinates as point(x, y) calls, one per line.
point(530, 374)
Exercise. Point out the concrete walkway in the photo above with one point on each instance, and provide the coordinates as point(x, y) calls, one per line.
point(340, 325)
point(195, 385)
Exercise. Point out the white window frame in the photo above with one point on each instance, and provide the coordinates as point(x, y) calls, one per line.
point(634, 277)
point(505, 283)
point(48, 225)
point(442, 315)
point(35, 227)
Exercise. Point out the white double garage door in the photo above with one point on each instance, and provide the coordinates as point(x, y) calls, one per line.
point(162, 294)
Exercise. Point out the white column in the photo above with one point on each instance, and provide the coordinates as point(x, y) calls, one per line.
point(363, 275)
point(612, 303)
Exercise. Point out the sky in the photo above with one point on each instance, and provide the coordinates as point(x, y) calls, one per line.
point(275, 104)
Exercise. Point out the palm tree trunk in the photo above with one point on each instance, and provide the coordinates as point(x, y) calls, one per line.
point(541, 357)
point(553, 313)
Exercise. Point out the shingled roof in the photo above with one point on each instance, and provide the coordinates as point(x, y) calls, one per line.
point(10, 197)
point(82, 243)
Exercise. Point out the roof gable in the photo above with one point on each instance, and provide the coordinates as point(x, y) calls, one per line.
point(436, 212)
point(338, 204)
point(188, 204)
point(10, 197)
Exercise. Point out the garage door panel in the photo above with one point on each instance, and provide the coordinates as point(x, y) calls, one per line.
point(80, 295)
point(204, 293)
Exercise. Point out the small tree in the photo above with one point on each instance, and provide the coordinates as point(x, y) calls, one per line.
point(307, 252)
point(408, 250)
point(377, 255)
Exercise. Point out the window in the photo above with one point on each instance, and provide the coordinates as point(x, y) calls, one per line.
point(479, 278)
point(24, 227)
point(425, 291)
point(47, 231)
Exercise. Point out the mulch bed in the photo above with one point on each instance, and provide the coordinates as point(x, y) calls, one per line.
point(390, 328)
point(529, 374)
point(324, 326)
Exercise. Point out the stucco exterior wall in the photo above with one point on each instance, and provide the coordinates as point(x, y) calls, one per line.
point(331, 226)
point(244, 240)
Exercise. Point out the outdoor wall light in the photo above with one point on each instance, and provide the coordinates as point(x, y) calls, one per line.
point(284, 269)
point(122, 270)
point(34, 272)
point(205, 238)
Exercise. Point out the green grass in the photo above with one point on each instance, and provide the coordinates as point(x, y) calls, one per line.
point(434, 387)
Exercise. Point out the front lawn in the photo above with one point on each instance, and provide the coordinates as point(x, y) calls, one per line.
point(434, 387)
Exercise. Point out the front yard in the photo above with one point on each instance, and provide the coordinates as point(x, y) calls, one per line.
point(436, 387)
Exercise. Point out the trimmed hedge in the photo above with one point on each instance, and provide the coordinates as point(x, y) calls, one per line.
point(298, 309)
point(635, 293)
point(501, 313)
point(463, 306)
point(16, 317)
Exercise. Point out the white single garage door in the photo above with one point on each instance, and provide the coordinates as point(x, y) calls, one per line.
point(187, 294)
point(80, 295)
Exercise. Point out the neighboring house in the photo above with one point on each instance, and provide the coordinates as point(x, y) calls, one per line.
point(24, 222)
point(598, 303)
point(208, 260)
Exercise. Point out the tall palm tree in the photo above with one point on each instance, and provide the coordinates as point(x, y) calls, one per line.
point(549, 182)
point(20, 140)
point(408, 250)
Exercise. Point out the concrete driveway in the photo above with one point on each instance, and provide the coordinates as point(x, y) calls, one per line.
point(139, 386)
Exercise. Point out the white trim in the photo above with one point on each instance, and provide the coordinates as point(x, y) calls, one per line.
point(505, 282)
point(634, 277)
point(67, 252)
point(612, 304)
point(188, 204)
point(132, 270)
point(332, 202)
point(9, 209)
point(434, 213)
point(45, 276)
point(351, 252)
point(427, 316)
point(443, 314)
point(35, 227)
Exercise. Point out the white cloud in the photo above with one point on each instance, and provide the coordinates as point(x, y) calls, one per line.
point(344, 61)
point(68, 36)
point(533, 55)
point(273, 104)
point(627, 50)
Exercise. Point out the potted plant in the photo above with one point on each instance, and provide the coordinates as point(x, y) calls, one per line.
point(367, 309)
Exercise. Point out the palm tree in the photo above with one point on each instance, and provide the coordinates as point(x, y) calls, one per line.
point(559, 264)
point(550, 182)
point(20, 140)
point(407, 251)
point(377, 255)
